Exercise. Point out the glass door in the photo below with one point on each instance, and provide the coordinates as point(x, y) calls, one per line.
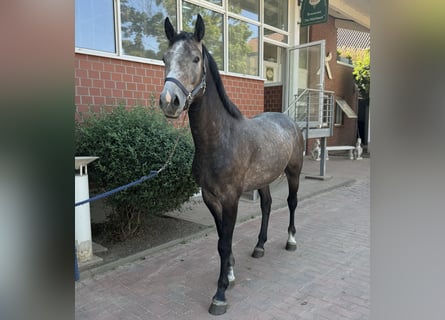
point(304, 96)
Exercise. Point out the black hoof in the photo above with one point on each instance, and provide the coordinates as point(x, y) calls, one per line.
point(291, 246)
point(258, 253)
point(218, 308)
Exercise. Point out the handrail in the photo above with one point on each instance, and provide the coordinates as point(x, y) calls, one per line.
point(313, 107)
point(296, 99)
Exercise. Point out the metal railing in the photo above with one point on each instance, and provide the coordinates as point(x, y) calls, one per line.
point(312, 110)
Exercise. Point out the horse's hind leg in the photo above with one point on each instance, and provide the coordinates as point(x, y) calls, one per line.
point(266, 202)
point(292, 202)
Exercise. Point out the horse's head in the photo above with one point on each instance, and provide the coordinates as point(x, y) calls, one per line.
point(184, 69)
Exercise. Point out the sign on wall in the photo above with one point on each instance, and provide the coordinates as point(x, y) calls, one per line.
point(313, 12)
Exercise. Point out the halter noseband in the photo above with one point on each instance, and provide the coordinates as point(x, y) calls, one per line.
point(192, 94)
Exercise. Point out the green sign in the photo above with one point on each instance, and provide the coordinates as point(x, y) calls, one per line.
point(313, 12)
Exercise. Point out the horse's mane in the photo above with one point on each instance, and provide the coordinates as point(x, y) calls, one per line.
point(228, 105)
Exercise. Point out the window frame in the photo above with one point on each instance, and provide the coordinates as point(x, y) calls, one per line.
point(271, 27)
point(227, 40)
point(224, 10)
point(280, 64)
point(338, 116)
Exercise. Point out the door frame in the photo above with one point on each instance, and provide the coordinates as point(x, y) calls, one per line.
point(295, 71)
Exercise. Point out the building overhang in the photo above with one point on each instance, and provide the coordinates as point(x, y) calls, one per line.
point(346, 108)
point(351, 14)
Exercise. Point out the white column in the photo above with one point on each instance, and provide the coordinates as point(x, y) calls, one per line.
point(83, 240)
point(84, 244)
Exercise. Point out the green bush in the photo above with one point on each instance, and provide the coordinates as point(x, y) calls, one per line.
point(129, 144)
point(362, 74)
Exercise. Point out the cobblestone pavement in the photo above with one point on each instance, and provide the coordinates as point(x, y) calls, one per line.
point(326, 278)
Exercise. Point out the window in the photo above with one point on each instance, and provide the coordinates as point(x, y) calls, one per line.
point(338, 119)
point(275, 14)
point(236, 30)
point(142, 27)
point(275, 36)
point(243, 47)
point(218, 2)
point(246, 8)
point(95, 25)
point(326, 114)
point(214, 39)
point(273, 56)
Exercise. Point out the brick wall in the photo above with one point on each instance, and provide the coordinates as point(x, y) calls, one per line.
point(247, 94)
point(346, 134)
point(273, 97)
point(107, 82)
point(110, 82)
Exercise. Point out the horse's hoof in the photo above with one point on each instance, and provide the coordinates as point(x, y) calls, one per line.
point(218, 307)
point(291, 246)
point(258, 253)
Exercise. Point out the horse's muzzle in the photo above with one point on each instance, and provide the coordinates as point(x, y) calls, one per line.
point(172, 104)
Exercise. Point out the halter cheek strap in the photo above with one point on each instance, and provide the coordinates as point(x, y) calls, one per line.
point(192, 94)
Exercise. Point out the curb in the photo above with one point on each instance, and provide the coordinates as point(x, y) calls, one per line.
point(140, 255)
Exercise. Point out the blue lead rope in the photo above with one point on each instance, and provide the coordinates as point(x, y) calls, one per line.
point(152, 174)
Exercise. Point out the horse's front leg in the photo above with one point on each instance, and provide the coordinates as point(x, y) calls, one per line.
point(215, 208)
point(231, 271)
point(219, 302)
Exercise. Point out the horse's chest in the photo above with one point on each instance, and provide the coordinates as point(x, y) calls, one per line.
point(221, 166)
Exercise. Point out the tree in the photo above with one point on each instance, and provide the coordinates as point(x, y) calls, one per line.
point(362, 74)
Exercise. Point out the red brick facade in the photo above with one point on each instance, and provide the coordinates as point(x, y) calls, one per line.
point(108, 82)
point(345, 134)
point(247, 94)
point(273, 99)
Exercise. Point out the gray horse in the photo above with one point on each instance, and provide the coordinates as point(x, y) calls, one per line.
point(233, 154)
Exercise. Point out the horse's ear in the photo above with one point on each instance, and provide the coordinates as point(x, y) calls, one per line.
point(169, 29)
point(199, 28)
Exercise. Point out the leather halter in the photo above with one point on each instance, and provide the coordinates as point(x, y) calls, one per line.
point(191, 94)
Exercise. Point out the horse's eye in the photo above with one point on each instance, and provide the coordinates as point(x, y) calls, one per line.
point(196, 60)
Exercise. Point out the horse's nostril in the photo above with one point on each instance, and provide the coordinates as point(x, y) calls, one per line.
point(176, 101)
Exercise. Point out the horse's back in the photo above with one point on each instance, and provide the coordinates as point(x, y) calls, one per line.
point(288, 128)
point(281, 124)
point(295, 138)
point(275, 143)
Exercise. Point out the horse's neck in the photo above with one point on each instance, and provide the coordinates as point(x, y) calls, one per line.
point(209, 121)
point(206, 125)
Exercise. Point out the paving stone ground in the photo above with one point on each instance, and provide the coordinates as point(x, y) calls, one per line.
point(326, 278)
